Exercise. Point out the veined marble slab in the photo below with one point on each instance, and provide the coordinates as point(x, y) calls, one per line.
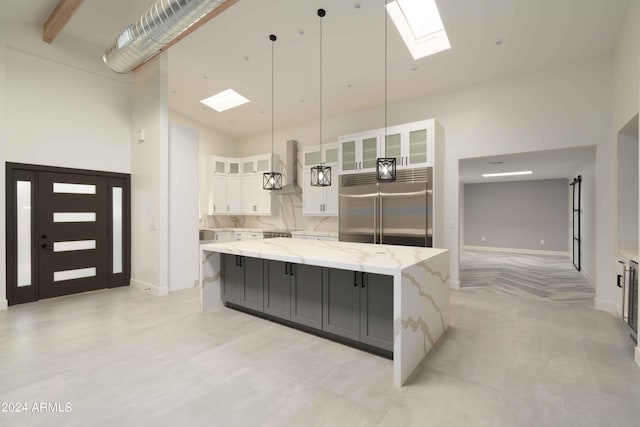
point(420, 280)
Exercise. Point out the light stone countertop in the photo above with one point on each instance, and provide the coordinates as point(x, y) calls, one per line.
point(631, 254)
point(381, 259)
point(248, 229)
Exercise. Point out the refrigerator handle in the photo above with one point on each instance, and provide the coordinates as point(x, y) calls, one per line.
point(380, 216)
point(375, 221)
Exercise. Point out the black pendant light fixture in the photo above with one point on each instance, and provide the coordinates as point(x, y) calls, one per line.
point(321, 174)
point(272, 180)
point(385, 166)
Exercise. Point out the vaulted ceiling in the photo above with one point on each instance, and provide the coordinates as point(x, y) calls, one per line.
point(491, 39)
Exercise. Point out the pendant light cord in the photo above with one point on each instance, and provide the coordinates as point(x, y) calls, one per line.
point(385, 73)
point(321, 14)
point(273, 39)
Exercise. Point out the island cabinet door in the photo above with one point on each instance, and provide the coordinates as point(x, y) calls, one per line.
point(232, 278)
point(341, 303)
point(306, 295)
point(252, 292)
point(376, 310)
point(277, 289)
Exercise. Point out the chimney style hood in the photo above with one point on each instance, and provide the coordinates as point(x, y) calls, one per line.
point(290, 174)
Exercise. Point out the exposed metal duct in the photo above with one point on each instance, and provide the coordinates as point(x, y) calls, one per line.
point(161, 24)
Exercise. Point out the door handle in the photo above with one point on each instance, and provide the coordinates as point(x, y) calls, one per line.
point(380, 217)
point(291, 266)
point(44, 246)
point(44, 236)
point(375, 222)
point(355, 279)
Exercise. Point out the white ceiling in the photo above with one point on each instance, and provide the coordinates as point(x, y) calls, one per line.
point(548, 164)
point(535, 34)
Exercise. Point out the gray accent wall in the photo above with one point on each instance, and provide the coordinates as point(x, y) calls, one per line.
point(517, 215)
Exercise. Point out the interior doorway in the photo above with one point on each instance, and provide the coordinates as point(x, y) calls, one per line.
point(68, 231)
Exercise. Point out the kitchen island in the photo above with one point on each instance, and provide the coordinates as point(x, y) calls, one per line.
point(418, 278)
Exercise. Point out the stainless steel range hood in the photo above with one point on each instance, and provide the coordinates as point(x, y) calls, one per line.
point(290, 172)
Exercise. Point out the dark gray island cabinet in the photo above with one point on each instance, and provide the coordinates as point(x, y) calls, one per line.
point(353, 305)
point(392, 300)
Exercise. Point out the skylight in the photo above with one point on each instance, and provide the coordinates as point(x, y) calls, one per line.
point(225, 100)
point(420, 25)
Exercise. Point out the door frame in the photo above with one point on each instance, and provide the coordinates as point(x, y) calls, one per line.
point(12, 171)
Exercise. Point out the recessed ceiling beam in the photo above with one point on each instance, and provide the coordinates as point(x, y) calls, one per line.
point(59, 18)
point(208, 17)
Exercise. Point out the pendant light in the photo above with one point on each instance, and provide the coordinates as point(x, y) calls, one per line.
point(321, 174)
point(385, 166)
point(272, 180)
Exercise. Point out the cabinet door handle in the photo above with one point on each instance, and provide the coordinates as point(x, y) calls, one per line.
point(214, 208)
point(355, 279)
point(291, 269)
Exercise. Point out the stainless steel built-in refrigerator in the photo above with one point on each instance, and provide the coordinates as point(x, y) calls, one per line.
point(395, 213)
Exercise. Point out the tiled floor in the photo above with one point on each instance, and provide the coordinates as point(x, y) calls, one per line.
point(544, 277)
point(121, 357)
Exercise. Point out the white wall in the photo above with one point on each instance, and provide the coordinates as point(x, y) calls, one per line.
point(60, 106)
point(517, 215)
point(184, 246)
point(150, 182)
point(210, 143)
point(568, 106)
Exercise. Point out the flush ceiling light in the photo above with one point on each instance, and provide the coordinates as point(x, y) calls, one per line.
point(225, 100)
point(491, 175)
point(420, 25)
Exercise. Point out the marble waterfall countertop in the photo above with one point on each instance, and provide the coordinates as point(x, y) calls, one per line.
point(381, 259)
point(420, 281)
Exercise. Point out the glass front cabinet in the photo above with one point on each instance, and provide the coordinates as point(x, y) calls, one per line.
point(358, 152)
point(410, 144)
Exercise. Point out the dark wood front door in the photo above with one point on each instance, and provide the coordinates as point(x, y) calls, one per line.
point(69, 231)
point(73, 233)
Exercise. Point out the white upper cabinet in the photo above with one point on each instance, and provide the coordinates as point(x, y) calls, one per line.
point(358, 152)
point(320, 201)
point(410, 144)
point(235, 185)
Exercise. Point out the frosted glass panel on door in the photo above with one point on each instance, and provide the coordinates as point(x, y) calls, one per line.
point(78, 273)
point(392, 147)
point(23, 215)
point(63, 187)
point(74, 245)
point(234, 168)
point(220, 167)
point(312, 158)
point(117, 230)
point(74, 217)
point(349, 156)
point(369, 153)
point(247, 167)
point(418, 146)
point(331, 155)
point(263, 165)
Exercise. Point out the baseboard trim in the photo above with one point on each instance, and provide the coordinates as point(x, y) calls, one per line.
point(515, 250)
point(607, 306)
point(4, 304)
point(638, 356)
point(152, 289)
point(454, 284)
